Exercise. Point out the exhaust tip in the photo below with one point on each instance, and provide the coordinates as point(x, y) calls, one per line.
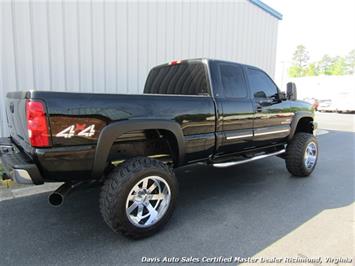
point(56, 199)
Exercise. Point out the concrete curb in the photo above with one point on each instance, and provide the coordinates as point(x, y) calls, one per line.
point(321, 132)
point(13, 193)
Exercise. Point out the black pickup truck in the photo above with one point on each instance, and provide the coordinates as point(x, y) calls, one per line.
point(201, 110)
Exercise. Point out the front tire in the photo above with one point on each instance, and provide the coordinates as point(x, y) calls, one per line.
point(139, 197)
point(302, 154)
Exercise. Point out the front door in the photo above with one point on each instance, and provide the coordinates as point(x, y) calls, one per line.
point(272, 116)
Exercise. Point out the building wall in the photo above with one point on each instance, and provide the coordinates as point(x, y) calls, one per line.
point(109, 47)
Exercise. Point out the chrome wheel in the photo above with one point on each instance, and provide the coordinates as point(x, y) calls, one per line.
point(310, 155)
point(148, 201)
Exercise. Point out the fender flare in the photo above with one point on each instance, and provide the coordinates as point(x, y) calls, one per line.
point(298, 116)
point(114, 130)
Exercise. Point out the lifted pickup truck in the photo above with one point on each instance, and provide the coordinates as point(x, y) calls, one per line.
point(211, 111)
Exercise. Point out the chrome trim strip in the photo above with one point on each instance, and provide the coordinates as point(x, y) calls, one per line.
point(228, 164)
point(271, 132)
point(240, 136)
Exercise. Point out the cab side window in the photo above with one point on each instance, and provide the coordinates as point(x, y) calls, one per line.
point(260, 84)
point(232, 81)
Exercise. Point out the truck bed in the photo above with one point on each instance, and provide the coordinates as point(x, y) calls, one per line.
point(194, 113)
point(75, 112)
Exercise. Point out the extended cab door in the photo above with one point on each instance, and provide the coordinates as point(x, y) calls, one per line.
point(272, 116)
point(234, 107)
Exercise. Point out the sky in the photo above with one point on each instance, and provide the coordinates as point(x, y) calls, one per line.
point(322, 26)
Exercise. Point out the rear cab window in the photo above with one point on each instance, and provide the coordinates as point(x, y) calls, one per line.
point(185, 78)
point(232, 81)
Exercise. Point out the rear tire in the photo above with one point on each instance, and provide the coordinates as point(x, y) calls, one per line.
point(138, 197)
point(302, 154)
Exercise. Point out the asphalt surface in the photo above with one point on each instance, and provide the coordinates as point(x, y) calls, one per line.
point(237, 211)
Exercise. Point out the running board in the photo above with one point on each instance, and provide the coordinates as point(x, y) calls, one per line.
point(228, 164)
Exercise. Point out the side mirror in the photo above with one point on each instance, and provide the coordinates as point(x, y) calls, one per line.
point(291, 91)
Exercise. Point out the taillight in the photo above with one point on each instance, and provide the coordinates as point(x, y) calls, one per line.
point(37, 126)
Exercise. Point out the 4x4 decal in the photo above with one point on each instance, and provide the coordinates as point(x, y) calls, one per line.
point(77, 130)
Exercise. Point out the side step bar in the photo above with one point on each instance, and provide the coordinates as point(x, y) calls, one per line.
point(228, 164)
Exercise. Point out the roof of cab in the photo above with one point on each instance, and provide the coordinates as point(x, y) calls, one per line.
point(181, 61)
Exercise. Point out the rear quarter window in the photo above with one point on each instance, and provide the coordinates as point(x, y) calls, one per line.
point(232, 81)
point(181, 79)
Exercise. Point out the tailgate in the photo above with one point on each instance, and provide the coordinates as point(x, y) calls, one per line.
point(69, 122)
point(16, 117)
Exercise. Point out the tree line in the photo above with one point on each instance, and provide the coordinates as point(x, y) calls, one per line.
point(328, 65)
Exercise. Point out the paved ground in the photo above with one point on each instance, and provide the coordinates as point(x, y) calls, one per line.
point(252, 209)
point(335, 121)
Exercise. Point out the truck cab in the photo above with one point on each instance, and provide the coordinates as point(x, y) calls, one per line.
point(250, 110)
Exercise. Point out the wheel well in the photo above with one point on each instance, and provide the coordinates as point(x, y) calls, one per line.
point(172, 143)
point(305, 124)
point(156, 143)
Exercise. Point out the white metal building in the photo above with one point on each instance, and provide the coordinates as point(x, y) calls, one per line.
point(110, 46)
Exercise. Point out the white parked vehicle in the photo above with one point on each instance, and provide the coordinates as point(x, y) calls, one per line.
point(345, 102)
point(326, 106)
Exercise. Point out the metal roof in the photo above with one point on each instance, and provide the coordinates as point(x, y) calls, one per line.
point(267, 9)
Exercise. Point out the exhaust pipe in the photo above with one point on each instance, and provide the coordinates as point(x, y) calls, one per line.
point(56, 199)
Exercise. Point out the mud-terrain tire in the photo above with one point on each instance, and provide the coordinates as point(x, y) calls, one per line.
point(302, 154)
point(138, 197)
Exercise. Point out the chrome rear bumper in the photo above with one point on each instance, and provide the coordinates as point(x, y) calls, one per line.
point(17, 165)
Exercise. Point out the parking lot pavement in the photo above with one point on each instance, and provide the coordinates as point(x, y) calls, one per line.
point(335, 121)
point(238, 211)
point(328, 235)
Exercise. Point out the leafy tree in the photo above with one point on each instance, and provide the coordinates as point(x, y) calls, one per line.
point(300, 56)
point(328, 65)
point(338, 66)
point(312, 70)
point(299, 62)
point(294, 71)
point(325, 65)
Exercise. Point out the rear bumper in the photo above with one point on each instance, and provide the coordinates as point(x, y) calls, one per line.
point(17, 165)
